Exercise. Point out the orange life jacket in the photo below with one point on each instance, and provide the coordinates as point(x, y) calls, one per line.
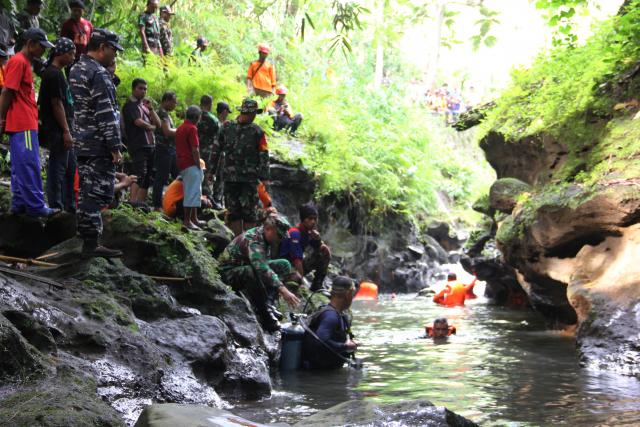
point(453, 295)
point(429, 330)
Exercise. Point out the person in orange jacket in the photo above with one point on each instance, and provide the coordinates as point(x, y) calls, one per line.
point(454, 293)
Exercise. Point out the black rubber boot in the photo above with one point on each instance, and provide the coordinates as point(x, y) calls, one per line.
point(91, 249)
point(259, 300)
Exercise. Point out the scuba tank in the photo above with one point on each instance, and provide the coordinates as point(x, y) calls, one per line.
point(291, 346)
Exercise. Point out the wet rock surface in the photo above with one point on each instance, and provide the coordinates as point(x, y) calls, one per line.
point(365, 413)
point(127, 340)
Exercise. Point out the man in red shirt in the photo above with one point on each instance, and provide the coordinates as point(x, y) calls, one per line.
point(19, 119)
point(77, 28)
point(188, 160)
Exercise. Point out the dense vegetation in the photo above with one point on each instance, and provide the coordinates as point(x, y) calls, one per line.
point(582, 95)
point(360, 140)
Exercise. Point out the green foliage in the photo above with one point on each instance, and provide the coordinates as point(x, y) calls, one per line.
point(358, 140)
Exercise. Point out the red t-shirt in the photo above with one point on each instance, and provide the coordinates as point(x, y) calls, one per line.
point(23, 110)
point(186, 138)
point(79, 33)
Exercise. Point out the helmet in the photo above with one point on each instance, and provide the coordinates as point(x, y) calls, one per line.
point(281, 90)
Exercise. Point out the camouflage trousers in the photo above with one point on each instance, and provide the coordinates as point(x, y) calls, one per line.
point(97, 179)
point(241, 201)
point(243, 277)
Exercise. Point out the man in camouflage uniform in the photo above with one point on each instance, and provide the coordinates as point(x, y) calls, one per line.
point(149, 27)
point(246, 267)
point(246, 163)
point(209, 136)
point(97, 135)
point(166, 35)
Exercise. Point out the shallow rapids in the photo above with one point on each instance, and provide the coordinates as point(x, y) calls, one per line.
point(502, 368)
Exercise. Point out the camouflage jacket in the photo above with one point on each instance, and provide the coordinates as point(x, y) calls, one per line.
point(151, 24)
point(166, 37)
point(96, 127)
point(208, 132)
point(250, 248)
point(246, 155)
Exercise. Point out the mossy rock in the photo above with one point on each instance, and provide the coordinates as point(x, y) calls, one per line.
point(64, 400)
point(504, 193)
point(483, 206)
point(19, 360)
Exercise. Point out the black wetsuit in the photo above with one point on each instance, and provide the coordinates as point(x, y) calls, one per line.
point(332, 328)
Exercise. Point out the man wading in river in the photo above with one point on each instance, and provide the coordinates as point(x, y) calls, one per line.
point(331, 343)
point(246, 267)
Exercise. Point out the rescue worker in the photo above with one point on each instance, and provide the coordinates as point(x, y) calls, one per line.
point(246, 162)
point(166, 34)
point(261, 75)
point(97, 136)
point(172, 202)
point(454, 292)
point(301, 237)
point(245, 265)
point(283, 116)
point(327, 341)
point(440, 329)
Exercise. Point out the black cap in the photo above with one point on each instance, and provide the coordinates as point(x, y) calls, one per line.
point(38, 2)
point(342, 283)
point(222, 106)
point(36, 34)
point(100, 35)
point(76, 3)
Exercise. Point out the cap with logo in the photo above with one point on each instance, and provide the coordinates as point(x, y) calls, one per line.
point(100, 35)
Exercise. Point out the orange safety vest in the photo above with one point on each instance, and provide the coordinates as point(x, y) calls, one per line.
point(453, 295)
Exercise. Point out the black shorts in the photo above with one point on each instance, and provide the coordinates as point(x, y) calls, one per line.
point(142, 166)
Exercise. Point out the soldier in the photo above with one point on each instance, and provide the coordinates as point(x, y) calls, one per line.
point(150, 29)
point(97, 136)
point(246, 163)
point(166, 35)
point(246, 267)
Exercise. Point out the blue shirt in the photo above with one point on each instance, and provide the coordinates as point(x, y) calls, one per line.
point(293, 247)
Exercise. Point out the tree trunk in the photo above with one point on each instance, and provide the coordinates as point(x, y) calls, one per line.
point(432, 67)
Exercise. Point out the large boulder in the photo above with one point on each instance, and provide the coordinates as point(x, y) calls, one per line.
point(19, 360)
point(66, 399)
point(173, 415)
point(366, 413)
point(503, 194)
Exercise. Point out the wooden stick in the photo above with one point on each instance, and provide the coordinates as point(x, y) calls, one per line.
point(45, 256)
point(170, 279)
point(44, 280)
point(27, 261)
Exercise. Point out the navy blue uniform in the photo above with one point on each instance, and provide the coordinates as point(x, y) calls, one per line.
point(332, 328)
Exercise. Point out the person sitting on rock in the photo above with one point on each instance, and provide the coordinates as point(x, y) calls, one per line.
point(245, 265)
point(454, 293)
point(440, 329)
point(327, 342)
point(302, 236)
point(174, 195)
point(282, 113)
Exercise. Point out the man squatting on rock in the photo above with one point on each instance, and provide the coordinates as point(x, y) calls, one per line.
point(245, 265)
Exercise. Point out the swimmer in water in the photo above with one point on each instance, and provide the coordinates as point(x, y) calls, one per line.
point(454, 292)
point(440, 329)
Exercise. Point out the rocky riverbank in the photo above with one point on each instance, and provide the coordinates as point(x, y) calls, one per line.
point(93, 342)
point(566, 218)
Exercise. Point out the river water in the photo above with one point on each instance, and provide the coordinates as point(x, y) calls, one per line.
point(502, 368)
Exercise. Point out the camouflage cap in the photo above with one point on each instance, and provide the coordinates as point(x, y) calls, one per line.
point(249, 106)
point(280, 223)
